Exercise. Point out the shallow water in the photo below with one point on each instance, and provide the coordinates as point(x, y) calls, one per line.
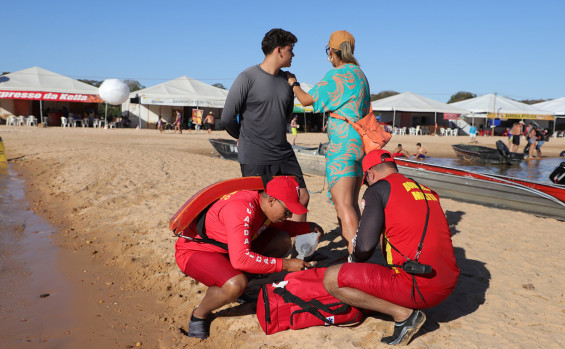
point(35, 296)
point(536, 169)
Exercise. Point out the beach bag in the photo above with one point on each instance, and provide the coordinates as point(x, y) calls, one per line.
point(372, 134)
point(301, 301)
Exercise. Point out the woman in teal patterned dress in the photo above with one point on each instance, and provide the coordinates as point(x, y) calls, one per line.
point(343, 91)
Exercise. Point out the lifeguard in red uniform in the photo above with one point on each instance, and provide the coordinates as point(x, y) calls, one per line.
point(420, 273)
point(248, 232)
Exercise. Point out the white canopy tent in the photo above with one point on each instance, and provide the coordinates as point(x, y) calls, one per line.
point(43, 85)
point(180, 92)
point(554, 106)
point(492, 105)
point(299, 108)
point(410, 102)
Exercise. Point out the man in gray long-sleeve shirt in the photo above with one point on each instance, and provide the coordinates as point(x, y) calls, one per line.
point(263, 99)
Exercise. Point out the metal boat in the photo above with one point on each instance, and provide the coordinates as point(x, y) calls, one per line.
point(500, 155)
point(545, 200)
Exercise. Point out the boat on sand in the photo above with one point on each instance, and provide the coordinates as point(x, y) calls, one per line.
point(545, 200)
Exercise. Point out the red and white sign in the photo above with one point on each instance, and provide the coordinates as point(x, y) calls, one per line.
point(450, 116)
point(50, 96)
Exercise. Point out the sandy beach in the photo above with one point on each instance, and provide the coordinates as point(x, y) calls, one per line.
point(110, 195)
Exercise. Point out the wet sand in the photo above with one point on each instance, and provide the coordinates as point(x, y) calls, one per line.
point(110, 194)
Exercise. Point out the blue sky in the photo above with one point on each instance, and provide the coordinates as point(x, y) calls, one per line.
point(433, 48)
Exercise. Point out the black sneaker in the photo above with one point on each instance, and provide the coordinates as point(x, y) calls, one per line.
point(199, 328)
point(403, 331)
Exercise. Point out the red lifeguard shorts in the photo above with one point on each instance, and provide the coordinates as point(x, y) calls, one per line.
point(384, 283)
point(215, 268)
point(209, 268)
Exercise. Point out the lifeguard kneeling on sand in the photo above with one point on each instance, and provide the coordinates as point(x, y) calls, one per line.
point(420, 273)
point(246, 231)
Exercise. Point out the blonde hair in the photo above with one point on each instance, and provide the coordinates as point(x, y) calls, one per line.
point(345, 53)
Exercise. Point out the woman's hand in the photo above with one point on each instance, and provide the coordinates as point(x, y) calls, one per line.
point(291, 78)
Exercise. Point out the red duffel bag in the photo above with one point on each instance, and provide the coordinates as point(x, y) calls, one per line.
point(301, 301)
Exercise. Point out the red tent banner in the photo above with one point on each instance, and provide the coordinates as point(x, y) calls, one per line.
point(450, 116)
point(50, 96)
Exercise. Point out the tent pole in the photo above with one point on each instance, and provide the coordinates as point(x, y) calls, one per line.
point(105, 116)
point(305, 128)
point(41, 113)
point(393, 119)
point(138, 114)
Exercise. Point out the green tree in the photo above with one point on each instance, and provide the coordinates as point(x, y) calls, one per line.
point(218, 85)
point(94, 83)
point(461, 96)
point(383, 94)
point(533, 101)
point(134, 85)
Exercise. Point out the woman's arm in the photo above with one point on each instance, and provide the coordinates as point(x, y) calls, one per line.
point(304, 98)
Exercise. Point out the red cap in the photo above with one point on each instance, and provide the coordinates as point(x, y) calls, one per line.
point(375, 157)
point(286, 190)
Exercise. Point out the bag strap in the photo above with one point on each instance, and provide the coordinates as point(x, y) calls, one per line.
point(288, 297)
point(201, 230)
point(266, 302)
point(323, 307)
point(420, 246)
point(201, 223)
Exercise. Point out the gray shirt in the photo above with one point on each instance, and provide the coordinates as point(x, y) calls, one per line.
point(264, 102)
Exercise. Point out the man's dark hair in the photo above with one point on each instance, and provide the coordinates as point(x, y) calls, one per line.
point(419, 144)
point(275, 38)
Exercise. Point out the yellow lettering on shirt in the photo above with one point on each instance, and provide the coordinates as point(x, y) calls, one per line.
point(227, 196)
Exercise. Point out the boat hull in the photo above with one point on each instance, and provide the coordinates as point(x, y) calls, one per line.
point(480, 188)
point(486, 155)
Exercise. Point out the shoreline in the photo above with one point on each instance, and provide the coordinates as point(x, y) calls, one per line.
point(110, 195)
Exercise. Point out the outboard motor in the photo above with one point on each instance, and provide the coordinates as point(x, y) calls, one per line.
point(558, 175)
point(562, 154)
point(502, 148)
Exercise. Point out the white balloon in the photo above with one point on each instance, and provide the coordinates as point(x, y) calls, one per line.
point(113, 91)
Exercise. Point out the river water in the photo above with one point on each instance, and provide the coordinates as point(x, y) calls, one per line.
point(536, 169)
point(35, 295)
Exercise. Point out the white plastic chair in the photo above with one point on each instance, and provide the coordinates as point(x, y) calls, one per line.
point(411, 131)
point(73, 122)
point(84, 122)
point(102, 123)
point(418, 130)
point(21, 120)
point(454, 132)
point(11, 121)
point(96, 123)
point(31, 121)
point(442, 131)
point(64, 122)
point(112, 125)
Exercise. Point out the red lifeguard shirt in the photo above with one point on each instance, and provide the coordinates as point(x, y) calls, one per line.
point(397, 205)
point(237, 219)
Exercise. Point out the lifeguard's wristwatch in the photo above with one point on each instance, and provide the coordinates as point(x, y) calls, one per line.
point(296, 83)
